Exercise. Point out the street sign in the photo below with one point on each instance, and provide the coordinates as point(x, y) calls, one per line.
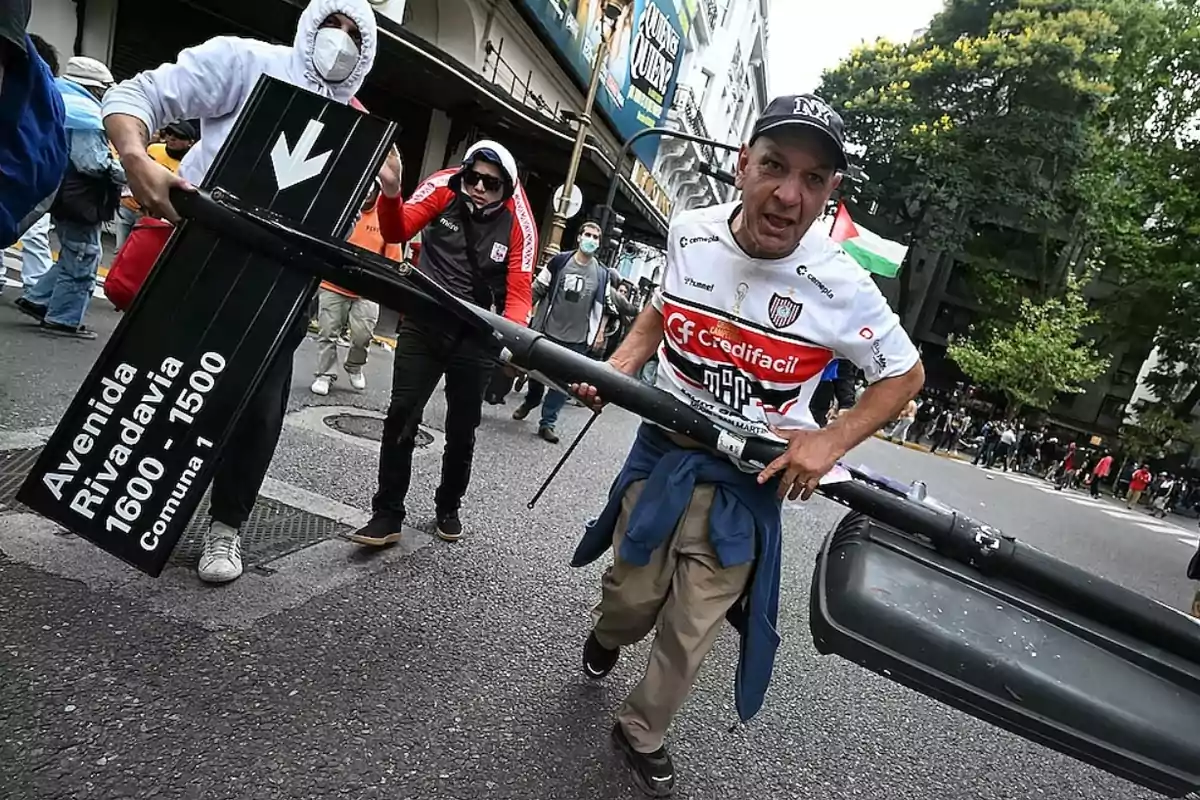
point(575, 203)
point(127, 465)
point(295, 166)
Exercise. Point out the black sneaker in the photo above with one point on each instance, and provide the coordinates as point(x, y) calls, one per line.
point(379, 532)
point(547, 434)
point(30, 309)
point(653, 772)
point(74, 331)
point(448, 526)
point(522, 411)
point(598, 660)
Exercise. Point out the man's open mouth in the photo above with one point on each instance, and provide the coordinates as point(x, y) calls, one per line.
point(776, 222)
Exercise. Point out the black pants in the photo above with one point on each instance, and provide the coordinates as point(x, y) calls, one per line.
point(500, 385)
point(422, 357)
point(251, 446)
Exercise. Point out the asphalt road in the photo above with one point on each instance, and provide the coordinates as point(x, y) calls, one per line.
point(453, 672)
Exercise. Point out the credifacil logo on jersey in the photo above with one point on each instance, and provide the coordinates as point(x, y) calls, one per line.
point(803, 272)
point(684, 330)
point(688, 241)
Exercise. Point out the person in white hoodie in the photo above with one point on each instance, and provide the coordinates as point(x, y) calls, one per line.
point(332, 53)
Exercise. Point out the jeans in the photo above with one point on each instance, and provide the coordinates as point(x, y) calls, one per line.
point(422, 357)
point(333, 312)
point(555, 400)
point(126, 219)
point(66, 289)
point(243, 465)
point(36, 258)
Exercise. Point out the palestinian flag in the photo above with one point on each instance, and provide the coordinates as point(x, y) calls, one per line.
point(871, 251)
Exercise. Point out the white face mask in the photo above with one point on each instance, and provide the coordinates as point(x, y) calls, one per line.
point(335, 55)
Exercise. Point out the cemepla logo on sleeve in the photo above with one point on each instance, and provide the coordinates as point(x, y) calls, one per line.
point(783, 310)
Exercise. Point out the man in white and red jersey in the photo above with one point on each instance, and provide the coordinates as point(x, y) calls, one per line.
point(754, 304)
point(478, 240)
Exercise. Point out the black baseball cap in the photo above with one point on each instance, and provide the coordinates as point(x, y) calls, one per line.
point(183, 129)
point(805, 110)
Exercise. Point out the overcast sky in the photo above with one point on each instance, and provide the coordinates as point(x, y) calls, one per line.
point(809, 36)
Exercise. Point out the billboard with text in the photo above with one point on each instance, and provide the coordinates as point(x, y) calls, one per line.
point(637, 82)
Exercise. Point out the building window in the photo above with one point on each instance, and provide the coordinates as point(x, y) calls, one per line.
point(706, 84)
point(951, 319)
point(1112, 409)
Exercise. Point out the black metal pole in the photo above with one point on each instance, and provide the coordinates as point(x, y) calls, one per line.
point(952, 533)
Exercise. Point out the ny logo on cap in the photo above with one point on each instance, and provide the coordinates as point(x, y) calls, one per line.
point(812, 107)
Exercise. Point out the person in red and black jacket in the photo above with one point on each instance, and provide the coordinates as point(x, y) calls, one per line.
point(478, 241)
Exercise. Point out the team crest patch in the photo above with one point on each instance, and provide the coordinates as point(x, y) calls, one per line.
point(499, 252)
point(783, 311)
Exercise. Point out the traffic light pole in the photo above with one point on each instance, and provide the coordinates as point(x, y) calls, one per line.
point(606, 213)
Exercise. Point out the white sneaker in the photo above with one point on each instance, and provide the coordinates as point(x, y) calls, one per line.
point(321, 385)
point(358, 380)
point(221, 560)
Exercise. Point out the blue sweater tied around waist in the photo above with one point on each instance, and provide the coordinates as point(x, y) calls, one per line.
point(744, 525)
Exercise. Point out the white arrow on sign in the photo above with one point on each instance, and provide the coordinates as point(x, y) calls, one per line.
point(296, 167)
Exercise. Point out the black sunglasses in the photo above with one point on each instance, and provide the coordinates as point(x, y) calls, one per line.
point(490, 182)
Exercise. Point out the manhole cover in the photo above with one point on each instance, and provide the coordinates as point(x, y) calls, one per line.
point(273, 530)
point(371, 428)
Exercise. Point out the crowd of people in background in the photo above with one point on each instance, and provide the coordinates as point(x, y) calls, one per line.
point(998, 442)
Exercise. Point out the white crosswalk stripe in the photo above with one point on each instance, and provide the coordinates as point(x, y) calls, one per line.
point(1139, 519)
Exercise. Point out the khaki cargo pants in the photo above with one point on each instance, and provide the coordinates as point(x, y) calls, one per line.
point(334, 312)
point(686, 591)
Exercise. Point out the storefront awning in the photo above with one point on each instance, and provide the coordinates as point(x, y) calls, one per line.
point(416, 70)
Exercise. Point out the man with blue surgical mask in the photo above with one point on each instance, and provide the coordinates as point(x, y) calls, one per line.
point(333, 50)
point(570, 293)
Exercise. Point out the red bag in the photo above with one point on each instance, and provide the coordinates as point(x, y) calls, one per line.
point(135, 259)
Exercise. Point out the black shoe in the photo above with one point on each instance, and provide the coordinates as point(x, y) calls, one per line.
point(547, 433)
point(379, 532)
point(598, 660)
point(522, 411)
point(77, 332)
point(448, 526)
point(653, 772)
point(30, 309)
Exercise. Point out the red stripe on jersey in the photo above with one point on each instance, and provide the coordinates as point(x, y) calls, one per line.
point(765, 358)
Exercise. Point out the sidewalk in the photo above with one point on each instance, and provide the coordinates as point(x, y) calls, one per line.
point(953, 455)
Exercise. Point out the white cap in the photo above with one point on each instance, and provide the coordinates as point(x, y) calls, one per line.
point(88, 72)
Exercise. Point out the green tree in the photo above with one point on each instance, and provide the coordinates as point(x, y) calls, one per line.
point(1142, 190)
point(974, 133)
point(1152, 430)
point(1039, 356)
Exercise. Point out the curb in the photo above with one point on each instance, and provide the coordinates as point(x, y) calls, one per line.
point(920, 448)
